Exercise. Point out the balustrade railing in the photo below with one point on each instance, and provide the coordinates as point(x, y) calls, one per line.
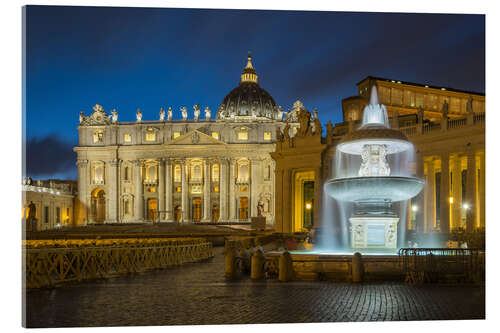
point(45, 267)
point(455, 123)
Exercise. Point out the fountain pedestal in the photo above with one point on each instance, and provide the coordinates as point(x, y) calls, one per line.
point(374, 232)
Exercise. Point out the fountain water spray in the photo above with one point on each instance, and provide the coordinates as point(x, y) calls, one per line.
point(371, 173)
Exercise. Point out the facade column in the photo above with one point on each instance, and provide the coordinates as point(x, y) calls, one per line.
point(232, 199)
point(161, 189)
point(82, 205)
point(185, 190)
point(419, 200)
point(223, 179)
point(255, 166)
point(470, 192)
point(482, 192)
point(318, 192)
point(139, 200)
point(206, 192)
point(444, 194)
point(430, 201)
point(456, 189)
point(168, 190)
point(287, 204)
point(112, 202)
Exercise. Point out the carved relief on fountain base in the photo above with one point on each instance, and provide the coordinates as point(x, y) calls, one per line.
point(370, 232)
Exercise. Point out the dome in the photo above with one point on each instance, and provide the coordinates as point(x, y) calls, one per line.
point(249, 100)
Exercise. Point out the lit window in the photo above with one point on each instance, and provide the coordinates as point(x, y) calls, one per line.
point(243, 172)
point(267, 136)
point(243, 136)
point(127, 137)
point(215, 135)
point(178, 189)
point(98, 136)
point(243, 188)
point(152, 189)
point(215, 172)
point(177, 173)
point(216, 188)
point(151, 136)
point(196, 172)
point(177, 134)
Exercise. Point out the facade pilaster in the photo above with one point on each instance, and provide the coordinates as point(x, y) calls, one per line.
point(482, 192)
point(161, 189)
point(83, 204)
point(206, 192)
point(223, 194)
point(430, 197)
point(470, 192)
point(185, 192)
point(444, 194)
point(168, 191)
point(255, 166)
point(456, 189)
point(232, 199)
point(112, 202)
point(139, 197)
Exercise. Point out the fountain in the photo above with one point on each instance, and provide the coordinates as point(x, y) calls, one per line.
point(366, 179)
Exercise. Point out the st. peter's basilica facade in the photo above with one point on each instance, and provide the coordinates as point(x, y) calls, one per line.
point(197, 169)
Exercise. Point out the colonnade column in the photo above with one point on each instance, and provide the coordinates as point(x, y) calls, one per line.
point(168, 190)
point(112, 204)
point(482, 192)
point(206, 192)
point(82, 192)
point(278, 200)
point(139, 200)
point(287, 201)
point(232, 199)
point(318, 193)
point(430, 197)
point(161, 190)
point(419, 200)
point(223, 189)
point(444, 194)
point(185, 190)
point(470, 192)
point(254, 185)
point(456, 188)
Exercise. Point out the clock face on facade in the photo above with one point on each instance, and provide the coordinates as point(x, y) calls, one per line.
point(98, 118)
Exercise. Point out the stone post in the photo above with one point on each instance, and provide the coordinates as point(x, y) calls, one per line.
point(206, 192)
point(161, 189)
point(286, 272)
point(357, 268)
point(223, 189)
point(444, 194)
point(168, 190)
point(232, 199)
point(257, 270)
point(139, 200)
point(185, 191)
point(471, 190)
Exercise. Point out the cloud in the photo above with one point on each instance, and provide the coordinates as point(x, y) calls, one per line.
point(50, 157)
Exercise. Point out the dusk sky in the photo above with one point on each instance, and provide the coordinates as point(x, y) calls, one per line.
point(147, 58)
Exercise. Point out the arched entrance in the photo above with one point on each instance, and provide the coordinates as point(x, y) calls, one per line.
point(243, 208)
point(178, 213)
point(152, 209)
point(98, 205)
point(196, 206)
point(215, 213)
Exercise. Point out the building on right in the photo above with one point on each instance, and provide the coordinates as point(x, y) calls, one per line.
point(447, 128)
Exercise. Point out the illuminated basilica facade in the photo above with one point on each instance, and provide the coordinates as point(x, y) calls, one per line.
point(197, 169)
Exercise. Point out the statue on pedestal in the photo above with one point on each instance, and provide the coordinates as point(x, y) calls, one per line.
point(184, 113)
point(196, 111)
point(329, 131)
point(81, 116)
point(114, 116)
point(169, 114)
point(208, 113)
point(138, 115)
point(162, 114)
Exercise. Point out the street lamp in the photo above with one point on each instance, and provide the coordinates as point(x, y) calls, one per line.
point(308, 205)
point(414, 208)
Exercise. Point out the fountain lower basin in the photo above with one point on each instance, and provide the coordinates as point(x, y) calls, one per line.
point(380, 188)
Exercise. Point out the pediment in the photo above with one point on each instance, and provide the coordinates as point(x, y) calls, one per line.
point(195, 137)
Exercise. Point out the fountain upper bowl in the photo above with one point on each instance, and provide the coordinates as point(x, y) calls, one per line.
point(380, 188)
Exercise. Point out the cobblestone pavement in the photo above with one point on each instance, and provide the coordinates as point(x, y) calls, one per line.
point(199, 294)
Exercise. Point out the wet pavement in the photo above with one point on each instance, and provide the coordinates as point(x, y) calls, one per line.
point(199, 294)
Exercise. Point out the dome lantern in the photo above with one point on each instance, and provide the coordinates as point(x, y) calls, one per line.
point(249, 74)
